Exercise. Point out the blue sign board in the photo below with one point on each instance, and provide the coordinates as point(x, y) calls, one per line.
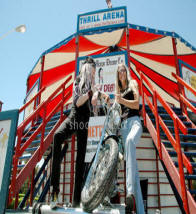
point(102, 19)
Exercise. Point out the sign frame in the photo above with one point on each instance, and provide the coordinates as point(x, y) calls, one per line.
point(102, 56)
point(192, 69)
point(12, 116)
point(120, 25)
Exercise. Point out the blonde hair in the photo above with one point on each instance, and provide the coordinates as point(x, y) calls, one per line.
point(86, 75)
point(118, 83)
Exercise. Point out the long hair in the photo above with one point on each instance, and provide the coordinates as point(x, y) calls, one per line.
point(86, 80)
point(119, 88)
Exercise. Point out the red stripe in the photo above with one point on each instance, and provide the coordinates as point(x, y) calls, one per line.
point(138, 37)
point(165, 59)
point(167, 85)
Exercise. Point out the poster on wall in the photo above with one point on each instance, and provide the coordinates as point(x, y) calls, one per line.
point(106, 67)
point(32, 92)
point(95, 127)
point(8, 126)
point(188, 74)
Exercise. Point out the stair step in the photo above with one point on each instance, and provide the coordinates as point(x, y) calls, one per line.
point(188, 154)
point(57, 116)
point(32, 149)
point(183, 144)
point(162, 110)
point(170, 122)
point(48, 128)
point(166, 116)
point(25, 157)
point(192, 163)
point(189, 137)
point(21, 166)
point(38, 136)
point(192, 191)
point(190, 177)
point(190, 130)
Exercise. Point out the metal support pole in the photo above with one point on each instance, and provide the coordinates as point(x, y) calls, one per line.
point(32, 187)
point(72, 167)
point(41, 77)
point(180, 87)
point(77, 53)
point(181, 170)
point(158, 182)
point(128, 48)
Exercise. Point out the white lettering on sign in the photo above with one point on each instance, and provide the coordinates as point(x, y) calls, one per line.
point(101, 19)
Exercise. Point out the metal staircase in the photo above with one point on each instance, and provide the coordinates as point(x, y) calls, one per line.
point(34, 137)
point(174, 136)
point(172, 131)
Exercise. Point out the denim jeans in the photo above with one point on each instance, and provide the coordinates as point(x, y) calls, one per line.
point(131, 131)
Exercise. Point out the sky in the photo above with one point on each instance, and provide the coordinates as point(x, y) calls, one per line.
point(48, 22)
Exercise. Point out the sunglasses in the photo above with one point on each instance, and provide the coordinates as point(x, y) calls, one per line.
point(122, 70)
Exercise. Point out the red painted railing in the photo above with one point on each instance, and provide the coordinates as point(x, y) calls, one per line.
point(182, 97)
point(177, 176)
point(19, 178)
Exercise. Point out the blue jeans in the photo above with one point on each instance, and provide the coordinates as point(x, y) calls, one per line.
point(131, 131)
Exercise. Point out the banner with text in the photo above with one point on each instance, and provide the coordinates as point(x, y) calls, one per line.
point(106, 67)
point(188, 74)
point(113, 17)
point(95, 127)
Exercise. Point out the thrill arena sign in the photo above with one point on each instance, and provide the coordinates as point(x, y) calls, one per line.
point(114, 17)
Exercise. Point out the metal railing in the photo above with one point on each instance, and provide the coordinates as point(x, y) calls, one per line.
point(182, 98)
point(42, 109)
point(177, 176)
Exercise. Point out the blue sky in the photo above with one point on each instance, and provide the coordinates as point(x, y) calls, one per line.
point(50, 21)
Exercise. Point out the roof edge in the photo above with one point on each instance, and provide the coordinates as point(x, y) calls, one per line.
point(162, 32)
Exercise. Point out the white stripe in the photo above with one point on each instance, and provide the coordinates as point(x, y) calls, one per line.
point(160, 68)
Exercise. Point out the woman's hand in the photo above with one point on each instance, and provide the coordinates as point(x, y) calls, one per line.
point(107, 99)
point(118, 98)
point(97, 95)
point(94, 98)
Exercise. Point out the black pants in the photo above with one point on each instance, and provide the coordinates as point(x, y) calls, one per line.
point(68, 127)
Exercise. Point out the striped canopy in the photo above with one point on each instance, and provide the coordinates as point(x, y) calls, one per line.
point(151, 51)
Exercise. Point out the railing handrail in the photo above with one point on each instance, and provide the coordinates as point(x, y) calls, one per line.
point(183, 99)
point(41, 129)
point(175, 142)
point(32, 99)
point(181, 81)
point(41, 105)
point(166, 106)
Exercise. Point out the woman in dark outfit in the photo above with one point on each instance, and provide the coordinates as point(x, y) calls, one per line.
point(76, 122)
